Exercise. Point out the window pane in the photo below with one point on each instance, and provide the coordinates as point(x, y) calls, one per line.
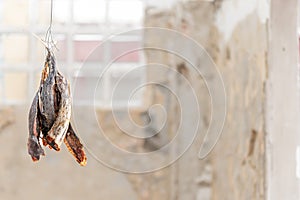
point(1, 49)
point(126, 12)
point(125, 51)
point(1, 11)
point(85, 89)
point(15, 86)
point(125, 79)
point(61, 11)
point(94, 16)
point(37, 79)
point(15, 13)
point(16, 49)
point(89, 12)
point(60, 55)
point(84, 48)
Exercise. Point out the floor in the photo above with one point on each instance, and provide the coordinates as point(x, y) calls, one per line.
point(56, 175)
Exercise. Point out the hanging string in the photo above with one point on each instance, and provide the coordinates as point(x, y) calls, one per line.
point(48, 37)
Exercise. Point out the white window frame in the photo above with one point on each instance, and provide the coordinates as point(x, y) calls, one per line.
point(283, 103)
point(70, 29)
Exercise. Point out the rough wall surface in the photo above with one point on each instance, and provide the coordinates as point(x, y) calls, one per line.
point(235, 168)
point(239, 156)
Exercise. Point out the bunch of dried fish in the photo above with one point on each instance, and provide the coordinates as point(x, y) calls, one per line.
point(50, 113)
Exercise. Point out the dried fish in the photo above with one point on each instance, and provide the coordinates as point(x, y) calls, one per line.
point(50, 113)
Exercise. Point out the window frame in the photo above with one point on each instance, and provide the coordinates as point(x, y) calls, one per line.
point(70, 29)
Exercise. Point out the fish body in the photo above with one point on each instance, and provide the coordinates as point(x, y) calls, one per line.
point(50, 113)
point(34, 146)
point(60, 125)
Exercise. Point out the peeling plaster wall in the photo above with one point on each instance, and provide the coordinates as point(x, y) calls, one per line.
point(232, 12)
point(239, 156)
point(235, 35)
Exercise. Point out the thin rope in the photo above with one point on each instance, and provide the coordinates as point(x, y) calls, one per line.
point(48, 37)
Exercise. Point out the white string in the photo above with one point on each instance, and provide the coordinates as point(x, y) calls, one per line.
point(49, 42)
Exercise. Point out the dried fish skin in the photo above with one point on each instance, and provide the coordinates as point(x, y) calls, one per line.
point(74, 146)
point(60, 126)
point(35, 149)
point(47, 93)
point(50, 113)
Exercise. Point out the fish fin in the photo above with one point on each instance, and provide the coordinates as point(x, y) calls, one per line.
point(75, 147)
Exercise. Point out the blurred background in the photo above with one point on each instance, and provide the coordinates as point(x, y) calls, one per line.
point(143, 112)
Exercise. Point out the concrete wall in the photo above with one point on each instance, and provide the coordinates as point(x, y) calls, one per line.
point(235, 35)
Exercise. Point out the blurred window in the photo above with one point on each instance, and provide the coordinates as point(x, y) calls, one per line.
point(80, 28)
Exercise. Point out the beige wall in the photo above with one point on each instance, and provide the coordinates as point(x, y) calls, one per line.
point(236, 34)
point(236, 167)
point(15, 50)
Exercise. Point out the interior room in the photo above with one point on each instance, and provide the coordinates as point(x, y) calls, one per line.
point(149, 100)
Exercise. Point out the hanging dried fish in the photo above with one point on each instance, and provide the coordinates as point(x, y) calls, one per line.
point(50, 113)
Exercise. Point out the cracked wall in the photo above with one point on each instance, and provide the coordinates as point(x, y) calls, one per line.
point(235, 168)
